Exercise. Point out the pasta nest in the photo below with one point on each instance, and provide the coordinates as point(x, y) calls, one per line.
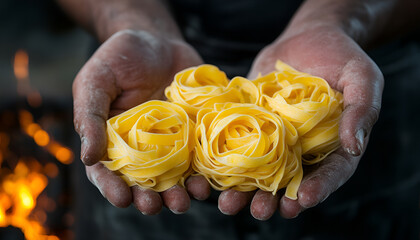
point(309, 103)
point(245, 147)
point(237, 133)
point(203, 86)
point(150, 145)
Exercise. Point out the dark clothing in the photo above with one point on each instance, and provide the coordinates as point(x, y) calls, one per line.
point(381, 200)
point(229, 34)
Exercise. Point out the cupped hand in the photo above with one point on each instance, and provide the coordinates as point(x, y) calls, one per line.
point(329, 53)
point(128, 69)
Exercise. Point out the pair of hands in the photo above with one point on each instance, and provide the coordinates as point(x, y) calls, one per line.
point(132, 67)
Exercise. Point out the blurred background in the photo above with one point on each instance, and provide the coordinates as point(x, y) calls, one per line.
point(40, 54)
point(44, 192)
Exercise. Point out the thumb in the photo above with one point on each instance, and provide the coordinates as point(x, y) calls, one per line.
point(362, 93)
point(93, 92)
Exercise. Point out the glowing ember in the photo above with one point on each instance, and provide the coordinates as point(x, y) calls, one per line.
point(4, 142)
point(32, 128)
point(21, 70)
point(43, 139)
point(51, 170)
point(18, 193)
point(20, 65)
point(64, 155)
point(22, 184)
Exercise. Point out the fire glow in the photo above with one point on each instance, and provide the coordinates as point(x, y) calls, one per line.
point(21, 70)
point(21, 183)
point(18, 193)
point(43, 139)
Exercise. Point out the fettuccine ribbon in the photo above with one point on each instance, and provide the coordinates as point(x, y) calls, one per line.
point(245, 147)
point(150, 145)
point(309, 103)
point(205, 85)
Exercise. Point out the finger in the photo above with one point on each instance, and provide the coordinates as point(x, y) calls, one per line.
point(232, 201)
point(110, 185)
point(289, 208)
point(317, 185)
point(331, 174)
point(198, 187)
point(93, 91)
point(263, 205)
point(176, 199)
point(362, 91)
point(147, 201)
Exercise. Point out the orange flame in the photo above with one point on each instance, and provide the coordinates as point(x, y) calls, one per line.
point(21, 70)
point(43, 139)
point(4, 142)
point(51, 170)
point(19, 189)
point(18, 193)
point(63, 154)
point(20, 65)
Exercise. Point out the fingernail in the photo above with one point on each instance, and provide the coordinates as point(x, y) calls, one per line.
point(222, 211)
point(360, 137)
point(351, 152)
point(297, 214)
point(83, 148)
point(324, 198)
point(176, 212)
point(225, 212)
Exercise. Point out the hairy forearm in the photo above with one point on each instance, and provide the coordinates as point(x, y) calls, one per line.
point(366, 21)
point(106, 17)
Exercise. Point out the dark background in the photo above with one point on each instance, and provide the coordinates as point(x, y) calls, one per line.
point(381, 201)
point(57, 50)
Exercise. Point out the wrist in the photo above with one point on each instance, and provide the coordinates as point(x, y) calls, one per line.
point(173, 52)
point(360, 20)
point(138, 15)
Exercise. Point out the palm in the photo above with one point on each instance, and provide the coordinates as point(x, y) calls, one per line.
point(128, 69)
point(142, 66)
point(332, 55)
point(336, 58)
point(327, 54)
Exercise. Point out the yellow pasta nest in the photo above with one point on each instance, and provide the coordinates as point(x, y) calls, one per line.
point(238, 134)
point(205, 85)
point(245, 147)
point(150, 145)
point(309, 103)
